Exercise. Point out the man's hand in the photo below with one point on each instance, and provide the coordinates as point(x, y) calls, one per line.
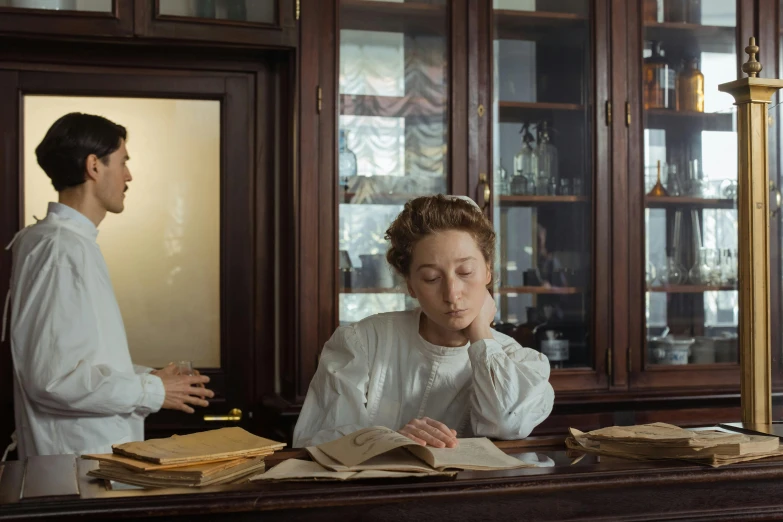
point(426, 431)
point(479, 329)
point(182, 390)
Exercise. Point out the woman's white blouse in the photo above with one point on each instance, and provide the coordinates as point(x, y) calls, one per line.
point(381, 372)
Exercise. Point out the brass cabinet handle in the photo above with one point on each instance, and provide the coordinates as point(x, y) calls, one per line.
point(235, 415)
point(487, 192)
point(778, 199)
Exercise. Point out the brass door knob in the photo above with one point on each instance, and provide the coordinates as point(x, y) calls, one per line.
point(235, 415)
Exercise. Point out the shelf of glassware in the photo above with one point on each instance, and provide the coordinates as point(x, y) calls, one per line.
point(691, 289)
point(517, 112)
point(534, 201)
point(535, 25)
point(393, 17)
point(378, 198)
point(538, 290)
point(710, 38)
point(689, 202)
point(697, 121)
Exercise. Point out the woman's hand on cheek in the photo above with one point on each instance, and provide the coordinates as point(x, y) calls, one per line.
point(479, 329)
point(429, 432)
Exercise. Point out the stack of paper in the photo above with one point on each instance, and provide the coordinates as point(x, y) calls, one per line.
point(664, 441)
point(223, 456)
point(379, 452)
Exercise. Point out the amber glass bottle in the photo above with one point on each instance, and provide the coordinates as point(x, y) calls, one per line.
point(650, 10)
point(659, 81)
point(690, 88)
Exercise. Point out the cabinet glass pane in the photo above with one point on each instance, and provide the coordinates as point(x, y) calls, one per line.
point(100, 6)
point(163, 250)
point(543, 156)
point(255, 11)
point(392, 138)
point(690, 182)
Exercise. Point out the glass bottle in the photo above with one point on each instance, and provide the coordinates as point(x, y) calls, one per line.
point(501, 180)
point(690, 87)
point(659, 80)
point(347, 168)
point(675, 10)
point(650, 10)
point(693, 11)
point(525, 165)
point(548, 174)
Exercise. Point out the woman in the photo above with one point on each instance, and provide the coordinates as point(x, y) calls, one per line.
point(440, 371)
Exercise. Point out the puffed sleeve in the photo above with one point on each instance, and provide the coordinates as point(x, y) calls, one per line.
point(55, 339)
point(511, 390)
point(336, 402)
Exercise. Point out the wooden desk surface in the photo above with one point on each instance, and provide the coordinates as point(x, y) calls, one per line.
point(588, 490)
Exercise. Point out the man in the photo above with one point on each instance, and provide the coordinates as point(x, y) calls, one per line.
point(75, 387)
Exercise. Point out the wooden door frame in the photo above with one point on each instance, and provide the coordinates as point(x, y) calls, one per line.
point(254, 153)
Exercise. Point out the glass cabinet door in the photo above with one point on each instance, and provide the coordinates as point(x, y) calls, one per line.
point(543, 156)
point(67, 17)
point(257, 22)
point(393, 137)
point(689, 168)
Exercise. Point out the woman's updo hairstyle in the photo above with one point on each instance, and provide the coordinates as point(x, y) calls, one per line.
point(428, 214)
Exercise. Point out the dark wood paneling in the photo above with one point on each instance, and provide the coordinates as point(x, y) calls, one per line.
point(769, 39)
point(621, 276)
point(327, 164)
point(282, 34)
point(471, 55)
point(10, 218)
point(635, 223)
point(601, 196)
point(42, 22)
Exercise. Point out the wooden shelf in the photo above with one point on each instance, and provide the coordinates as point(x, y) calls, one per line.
point(392, 106)
point(561, 290)
point(535, 25)
point(690, 289)
point(517, 112)
point(533, 201)
point(394, 17)
point(701, 121)
point(685, 201)
point(372, 291)
point(381, 199)
point(692, 38)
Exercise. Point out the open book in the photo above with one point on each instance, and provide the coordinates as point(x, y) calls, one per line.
point(378, 448)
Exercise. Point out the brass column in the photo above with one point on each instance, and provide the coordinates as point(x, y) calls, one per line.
point(752, 96)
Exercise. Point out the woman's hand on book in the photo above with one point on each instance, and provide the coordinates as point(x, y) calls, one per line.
point(428, 432)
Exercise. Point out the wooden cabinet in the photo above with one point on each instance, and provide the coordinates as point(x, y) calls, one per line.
point(588, 253)
point(262, 23)
point(83, 18)
point(384, 100)
point(258, 22)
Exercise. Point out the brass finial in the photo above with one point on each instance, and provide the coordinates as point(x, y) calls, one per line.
point(752, 67)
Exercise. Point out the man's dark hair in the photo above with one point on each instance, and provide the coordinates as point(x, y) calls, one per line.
point(63, 152)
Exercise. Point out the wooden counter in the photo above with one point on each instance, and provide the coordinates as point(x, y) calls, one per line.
point(587, 490)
